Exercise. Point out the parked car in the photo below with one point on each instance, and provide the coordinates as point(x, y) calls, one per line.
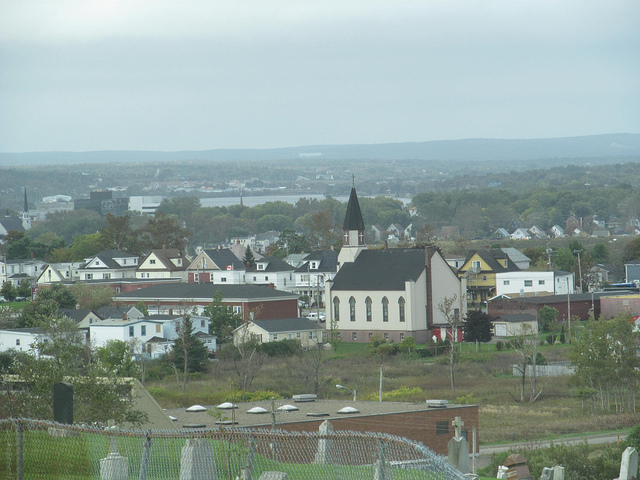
point(315, 316)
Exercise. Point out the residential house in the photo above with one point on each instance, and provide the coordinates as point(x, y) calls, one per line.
point(520, 234)
point(598, 275)
point(218, 266)
point(83, 317)
point(252, 302)
point(399, 231)
point(307, 332)
point(557, 231)
point(264, 240)
point(391, 292)
point(529, 283)
point(481, 267)
point(19, 339)
point(108, 265)
point(139, 330)
point(501, 233)
point(66, 272)
point(520, 259)
point(537, 232)
point(378, 233)
point(631, 271)
point(572, 223)
point(23, 269)
point(271, 271)
point(124, 312)
point(516, 223)
point(163, 263)
point(239, 250)
point(310, 276)
point(456, 261)
point(601, 233)
point(516, 324)
point(9, 223)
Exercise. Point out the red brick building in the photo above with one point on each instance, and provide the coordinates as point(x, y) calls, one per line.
point(252, 301)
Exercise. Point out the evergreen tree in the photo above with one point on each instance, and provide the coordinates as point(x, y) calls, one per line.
point(249, 260)
point(477, 327)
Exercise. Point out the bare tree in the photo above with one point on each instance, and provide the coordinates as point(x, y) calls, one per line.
point(184, 341)
point(526, 347)
point(448, 308)
point(247, 358)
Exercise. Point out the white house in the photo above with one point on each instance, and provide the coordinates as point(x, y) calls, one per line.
point(310, 277)
point(163, 263)
point(271, 270)
point(109, 264)
point(529, 283)
point(59, 272)
point(557, 231)
point(520, 234)
point(23, 269)
point(306, 331)
point(216, 266)
point(19, 339)
point(512, 325)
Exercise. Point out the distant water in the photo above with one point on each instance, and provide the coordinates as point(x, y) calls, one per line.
point(253, 201)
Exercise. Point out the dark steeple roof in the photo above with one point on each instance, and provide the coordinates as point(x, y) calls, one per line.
point(353, 219)
point(26, 205)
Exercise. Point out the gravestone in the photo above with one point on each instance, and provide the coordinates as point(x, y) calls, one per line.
point(629, 464)
point(517, 468)
point(323, 455)
point(558, 473)
point(547, 473)
point(458, 448)
point(63, 403)
point(198, 462)
point(114, 467)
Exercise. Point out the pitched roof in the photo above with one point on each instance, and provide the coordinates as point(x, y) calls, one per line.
point(205, 291)
point(328, 261)
point(274, 264)
point(107, 257)
point(386, 269)
point(516, 318)
point(113, 312)
point(12, 223)
point(490, 258)
point(165, 255)
point(75, 314)
point(225, 257)
point(515, 254)
point(353, 219)
point(287, 325)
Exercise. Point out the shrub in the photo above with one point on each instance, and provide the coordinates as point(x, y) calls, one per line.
point(260, 395)
point(499, 345)
point(283, 348)
point(402, 394)
point(424, 352)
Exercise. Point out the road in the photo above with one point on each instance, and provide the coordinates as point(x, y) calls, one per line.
point(484, 458)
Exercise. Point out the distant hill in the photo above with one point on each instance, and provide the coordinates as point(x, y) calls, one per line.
point(610, 146)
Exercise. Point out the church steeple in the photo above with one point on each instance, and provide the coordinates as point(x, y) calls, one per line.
point(353, 230)
point(26, 218)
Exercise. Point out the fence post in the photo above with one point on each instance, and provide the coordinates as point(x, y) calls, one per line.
point(144, 463)
point(20, 451)
point(380, 470)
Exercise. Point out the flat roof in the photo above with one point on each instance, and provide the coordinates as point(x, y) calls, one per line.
point(320, 410)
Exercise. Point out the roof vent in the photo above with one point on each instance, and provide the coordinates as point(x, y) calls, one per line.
point(348, 410)
point(288, 408)
point(196, 408)
point(226, 406)
point(258, 410)
point(305, 397)
point(437, 403)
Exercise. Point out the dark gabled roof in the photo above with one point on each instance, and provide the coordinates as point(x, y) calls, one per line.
point(157, 340)
point(12, 223)
point(113, 312)
point(274, 264)
point(516, 318)
point(287, 325)
point(76, 314)
point(204, 291)
point(107, 257)
point(328, 261)
point(223, 258)
point(387, 269)
point(353, 219)
point(490, 258)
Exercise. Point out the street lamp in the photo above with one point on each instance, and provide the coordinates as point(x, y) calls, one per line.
point(347, 388)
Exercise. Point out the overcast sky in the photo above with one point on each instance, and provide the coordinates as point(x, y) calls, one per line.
point(195, 75)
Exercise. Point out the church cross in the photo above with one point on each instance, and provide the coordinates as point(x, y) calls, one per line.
point(458, 424)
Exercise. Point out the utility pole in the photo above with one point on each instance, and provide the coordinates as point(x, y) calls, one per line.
point(579, 268)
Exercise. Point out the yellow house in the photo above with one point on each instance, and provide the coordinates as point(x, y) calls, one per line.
point(480, 268)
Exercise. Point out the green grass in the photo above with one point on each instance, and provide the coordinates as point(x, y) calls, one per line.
point(14, 305)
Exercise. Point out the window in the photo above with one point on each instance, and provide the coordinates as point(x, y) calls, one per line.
point(528, 283)
point(353, 336)
point(196, 277)
point(298, 335)
point(266, 278)
point(201, 323)
point(88, 276)
point(158, 328)
point(506, 282)
point(260, 266)
point(237, 310)
point(336, 309)
point(17, 341)
point(370, 335)
point(143, 330)
point(484, 278)
point(152, 261)
point(476, 265)
point(131, 331)
point(540, 282)
point(254, 279)
point(367, 302)
point(290, 336)
point(352, 309)
point(401, 337)
point(385, 309)
point(275, 336)
point(442, 428)
point(401, 308)
point(117, 289)
point(386, 336)
point(107, 276)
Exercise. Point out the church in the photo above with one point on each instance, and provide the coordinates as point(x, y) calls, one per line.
point(394, 293)
point(18, 224)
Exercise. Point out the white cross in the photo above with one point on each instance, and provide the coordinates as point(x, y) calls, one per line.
point(458, 424)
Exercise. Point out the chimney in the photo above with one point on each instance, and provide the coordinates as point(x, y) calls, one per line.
point(124, 316)
point(171, 311)
point(272, 286)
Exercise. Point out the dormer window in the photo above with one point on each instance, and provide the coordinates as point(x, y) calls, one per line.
point(260, 266)
point(314, 265)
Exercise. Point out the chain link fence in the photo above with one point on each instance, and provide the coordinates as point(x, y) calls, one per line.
point(33, 449)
